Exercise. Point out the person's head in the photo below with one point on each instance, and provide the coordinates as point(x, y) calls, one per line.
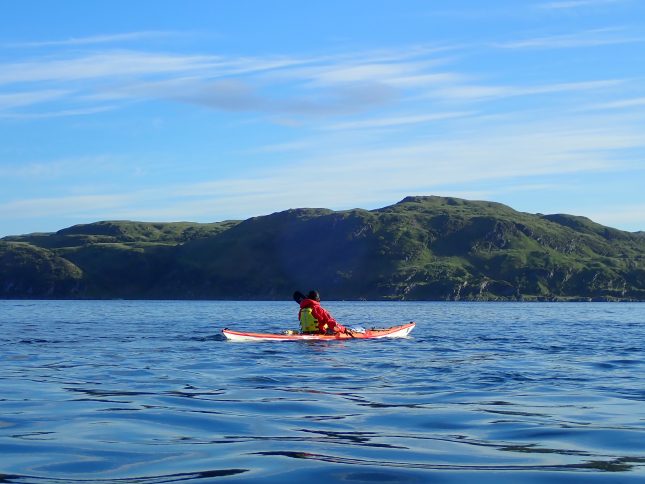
point(313, 295)
point(298, 296)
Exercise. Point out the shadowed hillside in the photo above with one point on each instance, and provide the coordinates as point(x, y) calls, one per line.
point(422, 248)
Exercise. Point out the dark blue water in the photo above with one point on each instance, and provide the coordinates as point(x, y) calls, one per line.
point(148, 392)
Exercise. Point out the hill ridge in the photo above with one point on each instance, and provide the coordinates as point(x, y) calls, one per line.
point(420, 248)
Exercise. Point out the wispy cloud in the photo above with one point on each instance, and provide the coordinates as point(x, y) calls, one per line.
point(78, 205)
point(323, 70)
point(274, 85)
point(63, 113)
point(48, 170)
point(96, 39)
point(588, 38)
point(620, 104)
point(10, 101)
point(278, 87)
point(482, 92)
point(569, 4)
point(402, 70)
point(510, 155)
point(80, 82)
point(631, 215)
point(398, 120)
point(16, 99)
point(301, 86)
point(106, 65)
point(332, 74)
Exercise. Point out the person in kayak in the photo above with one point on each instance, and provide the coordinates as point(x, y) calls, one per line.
point(313, 317)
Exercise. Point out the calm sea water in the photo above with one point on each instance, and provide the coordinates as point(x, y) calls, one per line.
point(149, 392)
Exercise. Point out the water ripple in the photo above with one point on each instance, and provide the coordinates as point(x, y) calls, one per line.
point(149, 392)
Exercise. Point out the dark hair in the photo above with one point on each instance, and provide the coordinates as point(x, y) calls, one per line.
point(313, 295)
point(298, 296)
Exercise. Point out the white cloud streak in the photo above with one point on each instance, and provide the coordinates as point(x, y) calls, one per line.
point(80, 205)
point(589, 38)
point(16, 99)
point(351, 176)
point(106, 65)
point(96, 39)
point(482, 92)
point(632, 215)
point(385, 93)
point(58, 168)
point(308, 86)
point(398, 120)
point(570, 4)
point(233, 84)
point(57, 114)
point(620, 104)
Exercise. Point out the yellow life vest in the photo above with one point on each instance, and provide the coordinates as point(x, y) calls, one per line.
point(308, 324)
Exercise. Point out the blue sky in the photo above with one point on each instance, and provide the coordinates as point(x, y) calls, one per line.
point(212, 110)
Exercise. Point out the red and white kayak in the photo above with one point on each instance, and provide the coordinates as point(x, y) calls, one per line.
point(394, 332)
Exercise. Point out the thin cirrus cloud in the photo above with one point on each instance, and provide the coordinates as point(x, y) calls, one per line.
point(588, 38)
point(503, 154)
point(573, 145)
point(398, 120)
point(52, 169)
point(234, 84)
point(424, 166)
point(57, 114)
point(20, 99)
point(333, 74)
point(103, 65)
point(96, 39)
point(312, 86)
point(74, 205)
point(619, 104)
point(621, 213)
point(404, 70)
point(119, 63)
point(569, 4)
point(475, 92)
point(130, 75)
point(315, 86)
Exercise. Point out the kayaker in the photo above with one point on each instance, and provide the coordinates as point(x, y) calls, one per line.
point(298, 297)
point(313, 317)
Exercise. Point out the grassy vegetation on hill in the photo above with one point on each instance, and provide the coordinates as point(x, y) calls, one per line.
point(422, 248)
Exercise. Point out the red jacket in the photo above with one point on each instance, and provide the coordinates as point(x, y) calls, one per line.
point(325, 320)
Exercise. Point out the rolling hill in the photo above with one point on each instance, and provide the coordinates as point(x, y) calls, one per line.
point(422, 248)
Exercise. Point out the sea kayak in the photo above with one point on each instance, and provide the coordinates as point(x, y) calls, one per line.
point(394, 332)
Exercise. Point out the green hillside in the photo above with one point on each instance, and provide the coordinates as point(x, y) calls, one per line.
point(422, 248)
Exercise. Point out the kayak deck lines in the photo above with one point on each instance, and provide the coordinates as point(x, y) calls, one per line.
point(400, 331)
